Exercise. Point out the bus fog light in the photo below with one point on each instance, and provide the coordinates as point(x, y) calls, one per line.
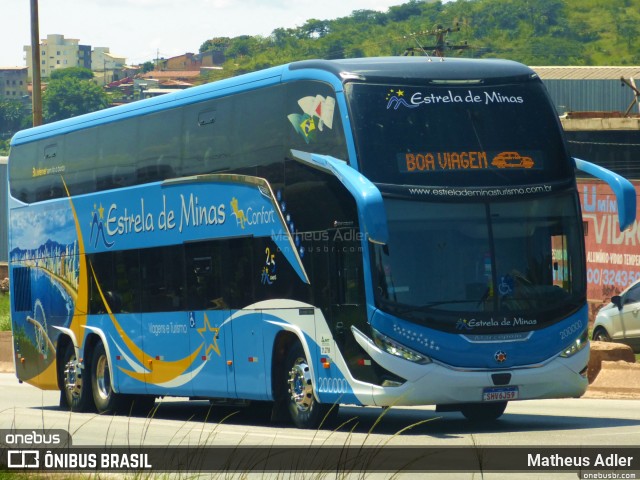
point(391, 383)
point(394, 348)
point(577, 345)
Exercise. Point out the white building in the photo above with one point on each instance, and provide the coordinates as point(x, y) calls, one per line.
point(106, 66)
point(59, 52)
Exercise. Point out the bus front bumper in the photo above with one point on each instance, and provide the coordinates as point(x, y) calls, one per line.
point(440, 384)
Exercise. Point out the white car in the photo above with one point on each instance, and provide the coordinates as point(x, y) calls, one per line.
point(619, 321)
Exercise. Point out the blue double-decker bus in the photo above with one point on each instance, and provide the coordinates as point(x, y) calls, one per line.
point(382, 231)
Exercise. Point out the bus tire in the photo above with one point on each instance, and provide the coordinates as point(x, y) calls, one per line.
point(305, 411)
point(105, 399)
point(76, 382)
point(483, 412)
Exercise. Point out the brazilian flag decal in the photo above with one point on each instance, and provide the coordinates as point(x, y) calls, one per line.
point(304, 125)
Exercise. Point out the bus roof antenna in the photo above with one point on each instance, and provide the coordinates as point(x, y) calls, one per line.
point(410, 51)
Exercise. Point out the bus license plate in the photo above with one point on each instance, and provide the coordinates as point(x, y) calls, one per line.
point(500, 394)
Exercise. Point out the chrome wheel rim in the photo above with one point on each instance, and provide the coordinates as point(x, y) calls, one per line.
point(300, 385)
point(103, 380)
point(72, 379)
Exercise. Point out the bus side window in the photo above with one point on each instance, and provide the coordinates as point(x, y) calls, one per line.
point(22, 289)
point(237, 271)
point(203, 276)
point(162, 277)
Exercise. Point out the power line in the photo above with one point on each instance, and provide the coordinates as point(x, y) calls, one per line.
point(441, 46)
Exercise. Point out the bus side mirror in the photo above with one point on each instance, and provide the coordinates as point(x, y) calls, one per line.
point(371, 211)
point(622, 188)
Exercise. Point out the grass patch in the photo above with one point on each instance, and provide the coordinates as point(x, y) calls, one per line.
point(5, 319)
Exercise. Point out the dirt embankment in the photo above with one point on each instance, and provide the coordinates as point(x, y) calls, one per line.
point(613, 372)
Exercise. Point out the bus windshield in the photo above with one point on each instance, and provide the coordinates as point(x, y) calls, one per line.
point(454, 263)
point(457, 135)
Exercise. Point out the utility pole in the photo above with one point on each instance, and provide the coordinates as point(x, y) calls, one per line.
point(441, 45)
point(35, 64)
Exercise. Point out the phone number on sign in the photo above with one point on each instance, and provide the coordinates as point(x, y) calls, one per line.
point(607, 276)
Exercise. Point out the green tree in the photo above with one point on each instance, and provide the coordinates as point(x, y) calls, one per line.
point(13, 117)
point(69, 97)
point(148, 67)
point(4, 148)
point(242, 46)
point(72, 72)
point(219, 44)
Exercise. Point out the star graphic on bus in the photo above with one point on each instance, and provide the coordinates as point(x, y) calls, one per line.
point(97, 232)
point(208, 329)
point(395, 99)
point(463, 324)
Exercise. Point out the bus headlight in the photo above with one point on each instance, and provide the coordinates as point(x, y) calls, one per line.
point(394, 348)
point(578, 344)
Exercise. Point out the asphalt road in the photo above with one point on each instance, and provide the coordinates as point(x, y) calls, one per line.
point(566, 422)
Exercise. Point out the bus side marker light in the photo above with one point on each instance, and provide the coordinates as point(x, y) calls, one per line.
point(253, 359)
point(364, 363)
point(118, 357)
point(325, 362)
point(229, 362)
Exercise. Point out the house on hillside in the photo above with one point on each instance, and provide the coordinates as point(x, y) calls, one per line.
point(106, 66)
point(191, 61)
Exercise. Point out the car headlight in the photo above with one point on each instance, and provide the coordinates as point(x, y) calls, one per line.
point(394, 348)
point(577, 345)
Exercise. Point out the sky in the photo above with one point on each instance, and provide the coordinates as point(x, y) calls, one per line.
point(140, 30)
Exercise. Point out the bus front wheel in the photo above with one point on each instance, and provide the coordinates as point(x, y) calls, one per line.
point(304, 409)
point(483, 412)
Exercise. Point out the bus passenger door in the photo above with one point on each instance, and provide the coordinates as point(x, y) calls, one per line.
point(211, 339)
point(248, 366)
point(209, 320)
point(347, 294)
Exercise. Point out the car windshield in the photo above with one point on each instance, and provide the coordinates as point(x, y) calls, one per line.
point(451, 262)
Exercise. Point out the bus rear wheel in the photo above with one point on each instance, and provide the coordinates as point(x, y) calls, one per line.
point(483, 412)
point(105, 399)
point(303, 407)
point(76, 387)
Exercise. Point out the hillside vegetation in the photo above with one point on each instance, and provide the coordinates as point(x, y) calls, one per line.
point(542, 32)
